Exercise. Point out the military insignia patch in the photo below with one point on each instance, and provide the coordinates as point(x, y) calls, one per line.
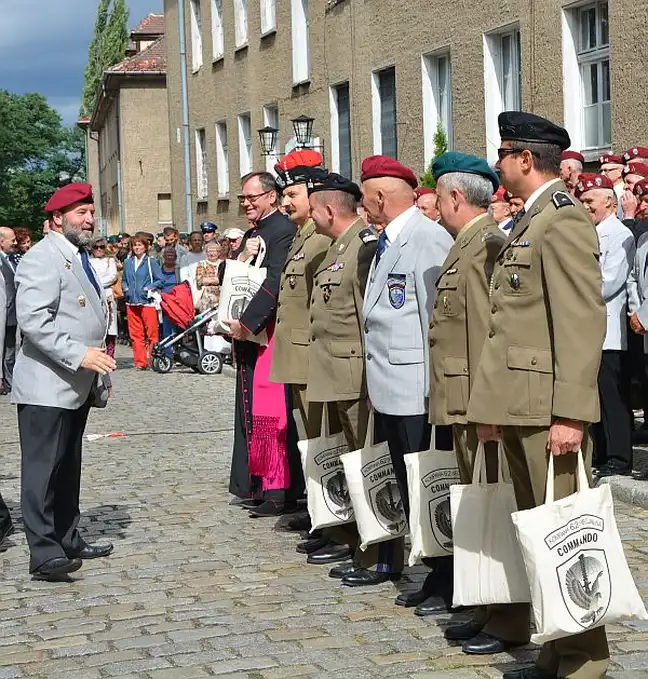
point(438, 484)
point(326, 293)
point(367, 236)
point(292, 281)
point(562, 199)
point(396, 288)
point(384, 496)
point(298, 256)
point(338, 266)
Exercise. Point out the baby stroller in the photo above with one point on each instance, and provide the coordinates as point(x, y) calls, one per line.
point(192, 346)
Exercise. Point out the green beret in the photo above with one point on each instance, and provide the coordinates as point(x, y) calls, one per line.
point(453, 161)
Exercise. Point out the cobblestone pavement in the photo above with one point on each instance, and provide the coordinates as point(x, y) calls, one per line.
point(196, 588)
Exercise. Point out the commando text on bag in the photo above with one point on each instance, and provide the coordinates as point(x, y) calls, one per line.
point(327, 493)
point(375, 495)
point(574, 558)
point(430, 474)
point(488, 565)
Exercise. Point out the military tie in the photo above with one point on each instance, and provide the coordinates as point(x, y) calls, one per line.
point(518, 217)
point(383, 241)
point(87, 267)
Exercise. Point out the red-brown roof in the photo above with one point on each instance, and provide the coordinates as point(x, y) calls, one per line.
point(153, 58)
point(154, 24)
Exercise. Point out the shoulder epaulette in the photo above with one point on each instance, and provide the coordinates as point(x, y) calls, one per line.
point(562, 199)
point(367, 236)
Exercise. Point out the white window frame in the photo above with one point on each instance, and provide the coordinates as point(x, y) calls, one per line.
point(335, 126)
point(301, 56)
point(268, 17)
point(222, 159)
point(218, 39)
point(244, 124)
point(376, 110)
point(196, 35)
point(574, 59)
point(241, 27)
point(494, 93)
point(271, 119)
point(202, 183)
point(435, 109)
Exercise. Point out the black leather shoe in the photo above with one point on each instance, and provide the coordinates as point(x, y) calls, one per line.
point(433, 605)
point(6, 529)
point(412, 599)
point(361, 577)
point(249, 503)
point(312, 545)
point(464, 632)
point(608, 470)
point(530, 672)
point(485, 644)
point(297, 521)
point(342, 570)
point(57, 570)
point(92, 552)
point(332, 553)
point(269, 508)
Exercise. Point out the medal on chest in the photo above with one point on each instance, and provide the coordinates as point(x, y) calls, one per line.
point(292, 282)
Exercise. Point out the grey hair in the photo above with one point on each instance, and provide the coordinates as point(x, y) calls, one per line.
point(266, 179)
point(477, 190)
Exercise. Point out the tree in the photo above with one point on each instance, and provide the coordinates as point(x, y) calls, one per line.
point(37, 155)
point(440, 147)
point(107, 48)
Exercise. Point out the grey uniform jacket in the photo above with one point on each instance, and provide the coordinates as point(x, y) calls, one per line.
point(3, 315)
point(60, 315)
point(8, 273)
point(397, 306)
point(641, 277)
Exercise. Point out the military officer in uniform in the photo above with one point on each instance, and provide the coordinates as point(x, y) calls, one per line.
point(465, 185)
point(336, 375)
point(536, 383)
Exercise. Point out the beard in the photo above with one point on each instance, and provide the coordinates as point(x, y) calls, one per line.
point(76, 235)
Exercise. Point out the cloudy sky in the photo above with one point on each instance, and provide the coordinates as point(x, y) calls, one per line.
point(44, 46)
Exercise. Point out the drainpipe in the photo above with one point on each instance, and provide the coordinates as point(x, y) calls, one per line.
point(120, 183)
point(185, 114)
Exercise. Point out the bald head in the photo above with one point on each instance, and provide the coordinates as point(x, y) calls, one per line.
point(384, 198)
point(7, 240)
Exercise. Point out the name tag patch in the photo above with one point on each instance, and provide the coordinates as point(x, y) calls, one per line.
point(396, 288)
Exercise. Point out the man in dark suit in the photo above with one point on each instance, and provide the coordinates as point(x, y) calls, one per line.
point(259, 200)
point(6, 525)
point(61, 370)
point(8, 347)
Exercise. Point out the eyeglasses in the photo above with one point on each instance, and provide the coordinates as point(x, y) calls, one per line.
point(502, 153)
point(252, 198)
point(99, 247)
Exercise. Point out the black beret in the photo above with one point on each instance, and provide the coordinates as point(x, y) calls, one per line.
point(530, 128)
point(334, 182)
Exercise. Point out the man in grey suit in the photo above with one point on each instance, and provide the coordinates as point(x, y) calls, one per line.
point(61, 371)
point(397, 306)
point(8, 346)
point(6, 525)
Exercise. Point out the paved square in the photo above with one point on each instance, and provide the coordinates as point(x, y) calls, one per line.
point(195, 588)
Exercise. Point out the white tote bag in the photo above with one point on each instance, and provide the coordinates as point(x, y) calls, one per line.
point(327, 493)
point(376, 499)
point(430, 474)
point(241, 281)
point(488, 565)
point(574, 558)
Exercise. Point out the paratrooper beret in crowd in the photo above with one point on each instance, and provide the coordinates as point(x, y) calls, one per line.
point(611, 159)
point(532, 129)
point(374, 167)
point(573, 155)
point(294, 168)
point(453, 161)
point(590, 180)
point(641, 188)
point(334, 182)
point(501, 195)
point(640, 169)
point(635, 152)
point(68, 195)
point(424, 191)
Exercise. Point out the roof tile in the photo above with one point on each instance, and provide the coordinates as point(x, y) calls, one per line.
point(153, 58)
point(154, 24)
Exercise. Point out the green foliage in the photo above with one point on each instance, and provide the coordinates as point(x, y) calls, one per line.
point(440, 147)
point(108, 47)
point(37, 155)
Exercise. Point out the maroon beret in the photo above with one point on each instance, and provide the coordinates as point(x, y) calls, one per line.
point(610, 159)
point(591, 180)
point(424, 191)
point(384, 166)
point(635, 152)
point(69, 195)
point(637, 168)
point(572, 155)
point(641, 188)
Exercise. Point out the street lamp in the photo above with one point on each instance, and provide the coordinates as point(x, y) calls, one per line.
point(303, 127)
point(268, 137)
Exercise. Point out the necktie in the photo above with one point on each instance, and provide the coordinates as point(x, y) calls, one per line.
point(518, 217)
point(382, 245)
point(87, 267)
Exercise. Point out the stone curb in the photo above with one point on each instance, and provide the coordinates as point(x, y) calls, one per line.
point(627, 489)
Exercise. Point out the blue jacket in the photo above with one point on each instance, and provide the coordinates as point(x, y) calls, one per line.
point(136, 283)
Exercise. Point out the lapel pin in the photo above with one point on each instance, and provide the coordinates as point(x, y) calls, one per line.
point(67, 265)
point(82, 301)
